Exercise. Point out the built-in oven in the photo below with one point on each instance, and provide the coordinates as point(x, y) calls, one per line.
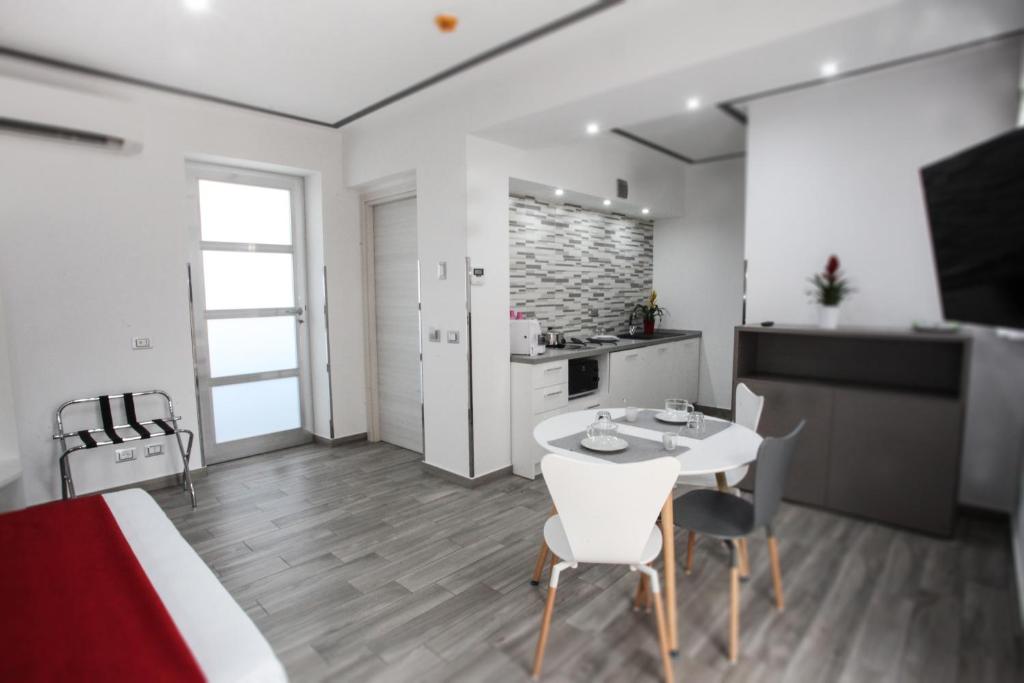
point(583, 376)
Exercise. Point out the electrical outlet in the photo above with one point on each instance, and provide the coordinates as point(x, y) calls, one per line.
point(124, 454)
point(453, 336)
point(154, 449)
point(141, 343)
point(434, 335)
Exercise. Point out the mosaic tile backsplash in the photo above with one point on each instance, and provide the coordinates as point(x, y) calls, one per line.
point(577, 271)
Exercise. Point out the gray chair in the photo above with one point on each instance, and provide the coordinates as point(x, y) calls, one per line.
point(731, 518)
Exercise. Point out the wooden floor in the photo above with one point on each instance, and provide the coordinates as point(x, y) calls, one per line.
point(357, 565)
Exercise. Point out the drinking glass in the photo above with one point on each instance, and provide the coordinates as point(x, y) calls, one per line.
point(695, 422)
point(668, 441)
point(632, 412)
point(675, 406)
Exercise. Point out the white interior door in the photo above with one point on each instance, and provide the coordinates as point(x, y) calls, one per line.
point(397, 312)
point(248, 301)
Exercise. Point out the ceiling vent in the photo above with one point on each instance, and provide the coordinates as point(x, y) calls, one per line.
point(70, 116)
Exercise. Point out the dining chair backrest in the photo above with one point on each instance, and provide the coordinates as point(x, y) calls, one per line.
point(608, 509)
point(748, 407)
point(773, 458)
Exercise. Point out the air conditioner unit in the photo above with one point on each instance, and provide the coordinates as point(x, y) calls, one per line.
point(46, 111)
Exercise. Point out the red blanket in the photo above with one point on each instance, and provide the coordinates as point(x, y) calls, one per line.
point(76, 605)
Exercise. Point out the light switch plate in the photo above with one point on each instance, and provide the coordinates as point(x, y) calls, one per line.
point(154, 449)
point(442, 270)
point(124, 454)
point(141, 343)
point(434, 335)
point(453, 336)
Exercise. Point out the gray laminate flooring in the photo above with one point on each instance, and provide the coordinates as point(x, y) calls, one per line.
point(357, 565)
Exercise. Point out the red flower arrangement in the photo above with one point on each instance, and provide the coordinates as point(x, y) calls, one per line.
point(830, 286)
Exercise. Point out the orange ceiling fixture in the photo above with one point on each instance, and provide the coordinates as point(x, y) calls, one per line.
point(446, 23)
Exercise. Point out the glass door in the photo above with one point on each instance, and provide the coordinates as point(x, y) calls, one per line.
point(248, 302)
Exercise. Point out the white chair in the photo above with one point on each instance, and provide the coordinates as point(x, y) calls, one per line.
point(747, 413)
point(606, 515)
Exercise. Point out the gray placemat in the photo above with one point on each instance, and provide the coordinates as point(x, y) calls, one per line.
point(639, 449)
point(645, 420)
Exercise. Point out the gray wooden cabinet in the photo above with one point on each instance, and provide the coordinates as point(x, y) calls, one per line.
point(884, 414)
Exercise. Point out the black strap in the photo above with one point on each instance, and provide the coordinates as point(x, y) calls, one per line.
point(87, 439)
point(108, 421)
point(168, 429)
point(129, 410)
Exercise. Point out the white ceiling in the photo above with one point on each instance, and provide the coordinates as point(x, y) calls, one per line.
point(322, 59)
point(696, 135)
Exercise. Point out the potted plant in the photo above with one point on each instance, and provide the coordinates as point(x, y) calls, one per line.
point(650, 312)
point(830, 289)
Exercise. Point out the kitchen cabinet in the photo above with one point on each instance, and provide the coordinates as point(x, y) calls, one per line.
point(645, 377)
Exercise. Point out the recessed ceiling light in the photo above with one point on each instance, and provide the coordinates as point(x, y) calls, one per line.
point(645, 211)
point(197, 5)
point(829, 69)
point(559, 192)
point(607, 202)
point(693, 103)
point(593, 129)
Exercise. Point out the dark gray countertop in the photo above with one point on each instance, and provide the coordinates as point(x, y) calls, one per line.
point(660, 337)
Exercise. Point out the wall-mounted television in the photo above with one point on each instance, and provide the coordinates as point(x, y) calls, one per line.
point(975, 202)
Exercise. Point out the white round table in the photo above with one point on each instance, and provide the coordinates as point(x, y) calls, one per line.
point(733, 447)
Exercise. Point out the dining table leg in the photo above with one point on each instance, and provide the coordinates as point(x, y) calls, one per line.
point(668, 530)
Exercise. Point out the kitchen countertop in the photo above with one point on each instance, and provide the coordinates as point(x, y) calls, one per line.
point(660, 337)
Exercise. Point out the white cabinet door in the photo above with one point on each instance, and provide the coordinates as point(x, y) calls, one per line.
point(664, 373)
point(690, 368)
point(626, 378)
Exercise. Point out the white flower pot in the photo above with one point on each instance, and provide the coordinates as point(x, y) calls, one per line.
point(828, 317)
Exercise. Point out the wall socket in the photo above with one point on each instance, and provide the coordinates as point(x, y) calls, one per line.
point(434, 335)
point(124, 454)
point(154, 449)
point(141, 343)
point(453, 336)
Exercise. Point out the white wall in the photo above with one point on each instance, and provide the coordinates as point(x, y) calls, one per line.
point(698, 270)
point(10, 455)
point(834, 169)
point(94, 249)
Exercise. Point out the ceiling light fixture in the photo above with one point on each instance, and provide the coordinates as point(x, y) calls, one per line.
point(693, 103)
point(197, 5)
point(829, 69)
point(645, 211)
point(559, 192)
point(607, 202)
point(593, 129)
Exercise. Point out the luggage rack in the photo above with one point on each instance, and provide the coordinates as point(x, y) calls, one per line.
point(166, 426)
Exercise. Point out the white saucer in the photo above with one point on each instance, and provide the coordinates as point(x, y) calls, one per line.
point(604, 444)
point(663, 416)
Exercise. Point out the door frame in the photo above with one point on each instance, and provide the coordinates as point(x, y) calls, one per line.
point(393, 192)
point(239, 448)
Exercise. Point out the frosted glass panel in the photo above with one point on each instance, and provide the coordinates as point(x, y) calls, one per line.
point(229, 212)
point(240, 346)
point(256, 408)
point(242, 279)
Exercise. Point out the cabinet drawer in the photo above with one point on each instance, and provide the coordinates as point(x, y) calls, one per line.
point(550, 374)
point(550, 398)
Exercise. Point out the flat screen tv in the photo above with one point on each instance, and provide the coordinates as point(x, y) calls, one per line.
point(975, 205)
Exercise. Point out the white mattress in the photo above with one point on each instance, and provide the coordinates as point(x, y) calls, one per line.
point(224, 640)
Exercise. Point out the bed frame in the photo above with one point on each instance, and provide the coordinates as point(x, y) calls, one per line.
point(165, 426)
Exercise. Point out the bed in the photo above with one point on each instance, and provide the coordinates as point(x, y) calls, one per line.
point(127, 599)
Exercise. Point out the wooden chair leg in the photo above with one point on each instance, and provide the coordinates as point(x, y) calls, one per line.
point(538, 569)
point(773, 553)
point(691, 541)
point(734, 609)
point(641, 593)
point(663, 644)
point(545, 626)
point(744, 558)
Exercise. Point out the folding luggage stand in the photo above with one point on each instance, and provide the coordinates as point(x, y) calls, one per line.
point(167, 426)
